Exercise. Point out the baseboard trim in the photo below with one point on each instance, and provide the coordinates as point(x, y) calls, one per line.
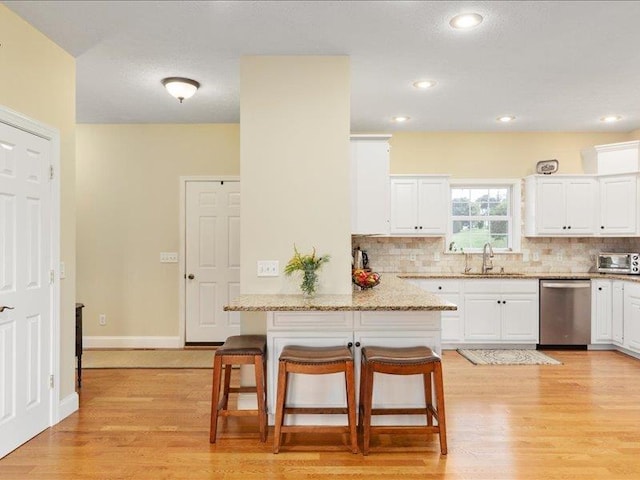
point(68, 405)
point(131, 342)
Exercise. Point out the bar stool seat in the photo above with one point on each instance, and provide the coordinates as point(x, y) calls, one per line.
point(315, 361)
point(239, 350)
point(402, 361)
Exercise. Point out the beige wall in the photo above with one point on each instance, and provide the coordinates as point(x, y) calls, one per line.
point(38, 79)
point(491, 155)
point(635, 135)
point(295, 167)
point(127, 213)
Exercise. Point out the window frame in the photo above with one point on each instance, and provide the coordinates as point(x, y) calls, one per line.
point(515, 206)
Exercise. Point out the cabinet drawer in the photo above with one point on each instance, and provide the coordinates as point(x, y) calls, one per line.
point(437, 285)
point(309, 320)
point(390, 320)
point(520, 286)
point(495, 286)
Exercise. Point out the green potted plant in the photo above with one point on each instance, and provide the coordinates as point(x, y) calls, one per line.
point(308, 265)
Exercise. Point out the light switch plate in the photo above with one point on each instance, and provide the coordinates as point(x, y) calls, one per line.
point(168, 257)
point(268, 268)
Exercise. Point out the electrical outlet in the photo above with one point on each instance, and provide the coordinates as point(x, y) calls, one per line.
point(168, 257)
point(102, 319)
point(412, 257)
point(535, 257)
point(268, 268)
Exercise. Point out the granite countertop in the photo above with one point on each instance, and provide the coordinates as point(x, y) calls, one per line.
point(524, 276)
point(392, 293)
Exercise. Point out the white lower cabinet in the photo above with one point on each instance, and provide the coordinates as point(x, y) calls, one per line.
point(601, 311)
point(632, 316)
point(503, 311)
point(617, 312)
point(357, 329)
point(496, 311)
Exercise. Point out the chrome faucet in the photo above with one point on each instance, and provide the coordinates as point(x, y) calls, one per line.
point(487, 255)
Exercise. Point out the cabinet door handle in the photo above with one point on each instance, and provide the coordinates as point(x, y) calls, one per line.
point(350, 344)
point(602, 227)
point(415, 228)
point(420, 227)
point(504, 302)
point(564, 227)
point(498, 302)
point(599, 288)
point(191, 276)
point(357, 344)
point(439, 288)
point(569, 227)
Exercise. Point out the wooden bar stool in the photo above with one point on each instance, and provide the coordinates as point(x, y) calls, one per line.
point(315, 361)
point(239, 350)
point(402, 361)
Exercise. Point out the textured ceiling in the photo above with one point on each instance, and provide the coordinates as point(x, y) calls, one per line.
point(556, 66)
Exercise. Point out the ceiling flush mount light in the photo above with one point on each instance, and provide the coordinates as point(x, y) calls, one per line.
point(400, 119)
point(506, 118)
point(424, 84)
point(611, 118)
point(181, 88)
point(466, 21)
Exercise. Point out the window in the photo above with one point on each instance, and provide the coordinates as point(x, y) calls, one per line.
point(483, 212)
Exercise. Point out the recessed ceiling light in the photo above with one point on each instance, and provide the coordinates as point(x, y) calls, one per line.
point(506, 118)
point(400, 119)
point(466, 21)
point(611, 118)
point(424, 84)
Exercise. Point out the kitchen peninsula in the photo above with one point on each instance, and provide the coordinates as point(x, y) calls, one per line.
point(395, 313)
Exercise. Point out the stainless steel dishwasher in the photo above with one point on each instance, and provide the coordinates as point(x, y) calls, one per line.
point(565, 313)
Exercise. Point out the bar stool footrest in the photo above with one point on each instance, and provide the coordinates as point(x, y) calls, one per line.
point(409, 429)
point(316, 429)
point(316, 410)
point(400, 411)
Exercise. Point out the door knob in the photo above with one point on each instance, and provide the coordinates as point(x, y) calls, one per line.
point(5, 307)
point(191, 276)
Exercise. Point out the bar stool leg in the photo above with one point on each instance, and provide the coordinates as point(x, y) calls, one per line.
point(368, 400)
point(260, 393)
point(351, 405)
point(442, 424)
point(282, 389)
point(227, 383)
point(215, 397)
point(428, 396)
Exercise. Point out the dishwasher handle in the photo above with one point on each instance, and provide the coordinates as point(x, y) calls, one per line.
point(586, 284)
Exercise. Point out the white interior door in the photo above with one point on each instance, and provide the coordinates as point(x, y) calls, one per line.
point(25, 262)
point(212, 259)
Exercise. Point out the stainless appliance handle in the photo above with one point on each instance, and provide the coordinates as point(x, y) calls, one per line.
point(573, 284)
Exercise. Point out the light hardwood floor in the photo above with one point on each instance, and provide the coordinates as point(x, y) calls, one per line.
point(580, 420)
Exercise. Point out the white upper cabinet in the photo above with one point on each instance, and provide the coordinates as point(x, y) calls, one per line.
point(618, 205)
point(419, 204)
point(582, 205)
point(370, 184)
point(560, 205)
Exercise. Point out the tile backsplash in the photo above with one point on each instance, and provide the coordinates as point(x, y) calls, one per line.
point(538, 255)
